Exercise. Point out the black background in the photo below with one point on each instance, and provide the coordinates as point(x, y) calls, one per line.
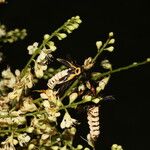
point(125, 121)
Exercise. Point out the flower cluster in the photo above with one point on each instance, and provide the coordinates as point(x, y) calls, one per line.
point(12, 35)
point(37, 117)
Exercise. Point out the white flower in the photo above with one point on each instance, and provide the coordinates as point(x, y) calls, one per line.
point(81, 87)
point(32, 48)
point(9, 143)
point(99, 44)
point(28, 106)
point(50, 95)
point(15, 94)
point(52, 110)
point(88, 63)
point(9, 78)
point(23, 139)
point(42, 56)
point(7, 73)
point(46, 104)
point(39, 69)
point(67, 121)
point(19, 120)
point(51, 45)
point(103, 83)
point(27, 79)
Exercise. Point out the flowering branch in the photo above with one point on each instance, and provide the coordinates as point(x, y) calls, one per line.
point(68, 26)
point(22, 117)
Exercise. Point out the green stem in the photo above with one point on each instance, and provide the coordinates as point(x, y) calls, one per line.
point(71, 87)
point(38, 50)
point(120, 69)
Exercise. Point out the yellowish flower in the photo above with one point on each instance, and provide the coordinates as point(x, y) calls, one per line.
point(23, 139)
point(67, 121)
point(28, 106)
point(39, 69)
point(32, 48)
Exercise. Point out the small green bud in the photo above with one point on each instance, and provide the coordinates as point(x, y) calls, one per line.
point(51, 70)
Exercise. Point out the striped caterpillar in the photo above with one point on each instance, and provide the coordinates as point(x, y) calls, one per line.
point(64, 75)
point(93, 122)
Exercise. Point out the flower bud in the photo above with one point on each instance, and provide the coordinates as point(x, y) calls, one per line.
point(81, 87)
point(87, 98)
point(99, 44)
point(15, 142)
point(46, 36)
point(112, 41)
point(106, 64)
point(79, 146)
point(61, 36)
point(73, 97)
point(70, 27)
point(110, 49)
point(111, 34)
point(44, 136)
point(31, 146)
point(96, 100)
point(98, 89)
point(29, 129)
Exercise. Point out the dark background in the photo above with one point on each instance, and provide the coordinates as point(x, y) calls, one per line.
point(125, 121)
